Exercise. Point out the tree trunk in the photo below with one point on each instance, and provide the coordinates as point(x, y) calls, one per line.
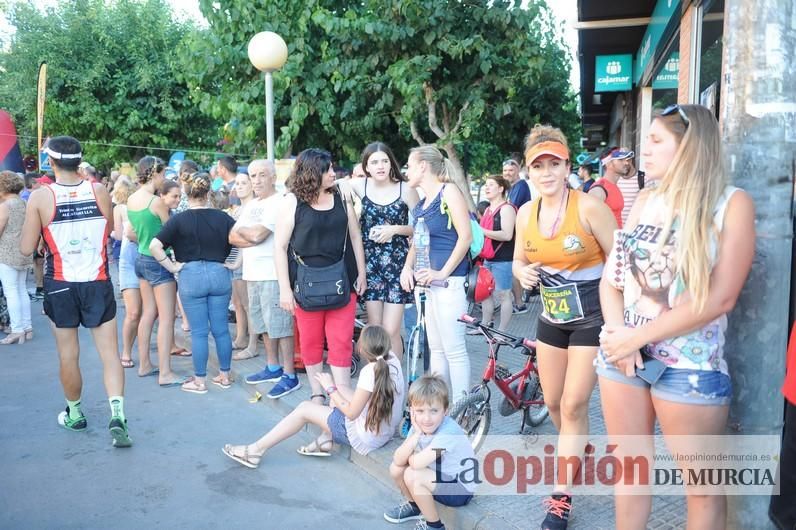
point(459, 178)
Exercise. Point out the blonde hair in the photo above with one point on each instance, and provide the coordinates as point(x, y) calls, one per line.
point(427, 390)
point(442, 168)
point(438, 165)
point(543, 133)
point(122, 191)
point(691, 189)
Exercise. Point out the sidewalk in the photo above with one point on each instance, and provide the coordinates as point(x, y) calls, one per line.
point(175, 475)
point(486, 512)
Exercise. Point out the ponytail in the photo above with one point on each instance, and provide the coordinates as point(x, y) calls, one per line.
point(438, 165)
point(444, 170)
point(448, 171)
point(374, 344)
point(382, 398)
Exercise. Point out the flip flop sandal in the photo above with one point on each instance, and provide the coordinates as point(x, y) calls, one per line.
point(250, 461)
point(193, 387)
point(153, 371)
point(177, 382)
point(319, 449)
point(181, 352)
point(128, 363)
point(220, 382)
point(243, 355)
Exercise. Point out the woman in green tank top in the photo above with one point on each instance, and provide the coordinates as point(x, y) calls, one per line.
point(147, 213)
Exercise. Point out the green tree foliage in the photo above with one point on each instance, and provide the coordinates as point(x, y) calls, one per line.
point(112, 77)
point(319, 100)
point(447, 72)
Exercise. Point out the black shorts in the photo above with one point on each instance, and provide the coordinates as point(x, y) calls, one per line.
point(552, 335)
point(70, 304)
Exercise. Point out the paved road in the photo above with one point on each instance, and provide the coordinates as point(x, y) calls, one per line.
point(175, 475)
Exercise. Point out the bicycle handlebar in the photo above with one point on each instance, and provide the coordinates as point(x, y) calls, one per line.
point(434, 283)
point(490, 332)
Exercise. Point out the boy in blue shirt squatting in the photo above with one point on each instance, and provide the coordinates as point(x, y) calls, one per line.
point(427, 467)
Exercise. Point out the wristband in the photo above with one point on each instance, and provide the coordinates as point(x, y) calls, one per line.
point(331, 390)
point(164, 258)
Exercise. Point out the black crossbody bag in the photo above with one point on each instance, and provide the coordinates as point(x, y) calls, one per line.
point(322, 288)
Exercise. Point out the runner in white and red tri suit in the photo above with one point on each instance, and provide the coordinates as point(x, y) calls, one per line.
point(74, 217)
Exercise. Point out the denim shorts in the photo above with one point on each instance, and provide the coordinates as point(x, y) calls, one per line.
point(147, 268)
point(127, 276)
point(680, 385)
point(501, 270)
point(336, 424)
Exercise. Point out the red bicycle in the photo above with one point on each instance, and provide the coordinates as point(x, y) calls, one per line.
point(521, 391)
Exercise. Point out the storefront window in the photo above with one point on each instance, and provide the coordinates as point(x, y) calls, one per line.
point(666, 78)
point(710, 53)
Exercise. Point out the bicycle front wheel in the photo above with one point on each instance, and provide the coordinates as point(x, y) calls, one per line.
point(474, 416)
point(412, 355)
point(534, 414)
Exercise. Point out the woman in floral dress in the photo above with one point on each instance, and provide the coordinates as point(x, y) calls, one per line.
point(386, 201)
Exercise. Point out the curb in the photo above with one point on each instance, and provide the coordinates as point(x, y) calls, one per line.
point(472, 516)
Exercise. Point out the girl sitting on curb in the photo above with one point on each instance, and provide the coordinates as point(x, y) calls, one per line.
point(365, 419)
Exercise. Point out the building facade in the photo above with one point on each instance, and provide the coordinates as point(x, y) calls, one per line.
point(737, 57)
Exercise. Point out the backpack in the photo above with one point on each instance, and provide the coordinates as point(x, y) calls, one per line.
point(587, 185)
point(479, 239)
point(488, 223)
point(478, 233)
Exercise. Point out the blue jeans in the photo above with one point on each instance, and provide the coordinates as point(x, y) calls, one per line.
point(205, 289)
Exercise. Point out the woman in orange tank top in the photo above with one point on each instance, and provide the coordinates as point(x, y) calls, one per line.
point(562, 240)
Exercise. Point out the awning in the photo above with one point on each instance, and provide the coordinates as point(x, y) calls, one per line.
point(605, 28)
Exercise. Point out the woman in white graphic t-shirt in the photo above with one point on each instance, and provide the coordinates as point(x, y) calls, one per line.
point(675, 271)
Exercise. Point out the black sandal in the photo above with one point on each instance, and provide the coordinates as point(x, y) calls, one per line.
point(322, 396)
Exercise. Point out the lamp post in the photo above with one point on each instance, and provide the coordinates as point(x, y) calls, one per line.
point(268, 52)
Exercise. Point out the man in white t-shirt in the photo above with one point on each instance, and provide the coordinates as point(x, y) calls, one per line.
point(254, 235)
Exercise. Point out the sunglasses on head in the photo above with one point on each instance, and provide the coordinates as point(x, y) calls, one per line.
point(671, 109)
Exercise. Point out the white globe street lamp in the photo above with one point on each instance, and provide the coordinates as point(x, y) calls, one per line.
point(268, 52)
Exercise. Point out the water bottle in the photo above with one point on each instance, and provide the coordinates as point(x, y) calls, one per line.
point(422, 242)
